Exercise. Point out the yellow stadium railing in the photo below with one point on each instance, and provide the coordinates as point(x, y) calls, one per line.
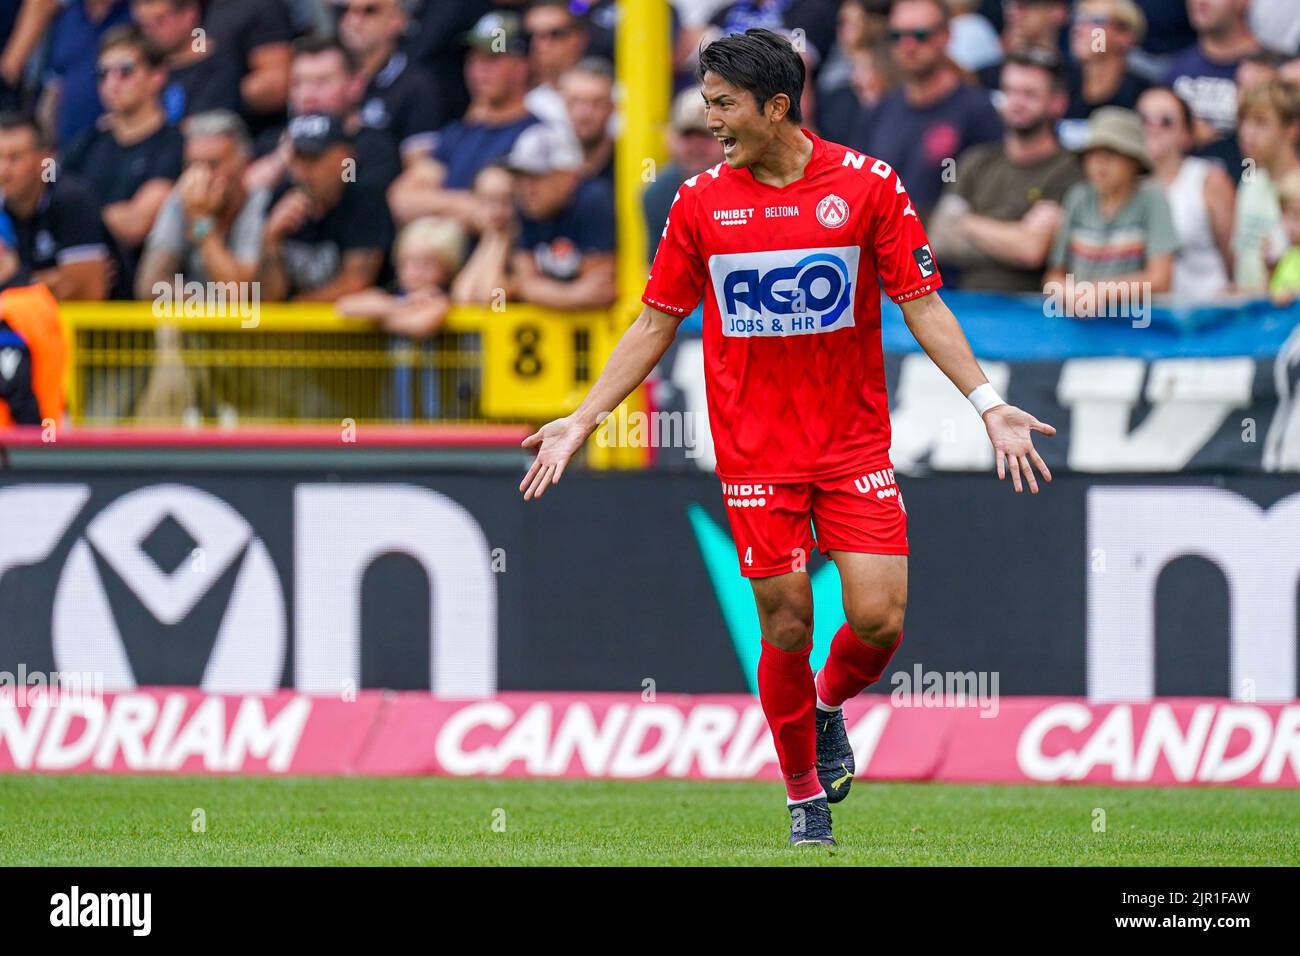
point(297, 363)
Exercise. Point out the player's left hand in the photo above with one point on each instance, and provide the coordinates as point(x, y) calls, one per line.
point(1011, 432)
point(556, 442)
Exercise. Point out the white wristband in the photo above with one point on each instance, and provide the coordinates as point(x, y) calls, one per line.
point(985, 397)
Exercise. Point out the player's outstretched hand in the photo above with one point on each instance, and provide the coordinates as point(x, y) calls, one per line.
point(556, 442)
point(1011, 432)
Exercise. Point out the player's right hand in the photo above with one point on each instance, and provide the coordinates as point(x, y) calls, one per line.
point(556, 442)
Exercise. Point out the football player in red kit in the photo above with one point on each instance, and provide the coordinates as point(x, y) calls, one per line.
point(788, 242)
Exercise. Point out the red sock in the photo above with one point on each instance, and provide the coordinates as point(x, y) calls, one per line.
point(785, 689)
point(851, 667)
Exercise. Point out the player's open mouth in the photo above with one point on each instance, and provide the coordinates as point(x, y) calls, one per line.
point(728, 143)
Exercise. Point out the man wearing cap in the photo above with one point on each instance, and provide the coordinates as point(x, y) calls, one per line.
point(1117, 238)
point(327, 232)
point(324, 77)
point(565, 258)
point(693, 149)
point(496, 72)
point(33, 352)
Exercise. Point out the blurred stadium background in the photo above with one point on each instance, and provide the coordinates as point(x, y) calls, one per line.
point(273, 527)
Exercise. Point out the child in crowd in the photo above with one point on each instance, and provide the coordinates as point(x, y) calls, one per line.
point(1285, 285)
point(1117, 228)
point(1269, 130)
point(484, 280)
point(427, 255)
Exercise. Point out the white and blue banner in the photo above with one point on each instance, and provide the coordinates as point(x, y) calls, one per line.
point(1210, 388)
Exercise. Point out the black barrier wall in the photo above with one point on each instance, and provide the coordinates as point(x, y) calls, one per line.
point(246, 582)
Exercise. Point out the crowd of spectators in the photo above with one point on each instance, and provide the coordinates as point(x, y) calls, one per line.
point(399, 156)
point(389, 156)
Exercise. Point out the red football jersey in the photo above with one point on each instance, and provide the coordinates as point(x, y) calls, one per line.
point(794, 370)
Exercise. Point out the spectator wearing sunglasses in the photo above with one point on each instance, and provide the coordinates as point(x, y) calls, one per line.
point(921, 128)
point(400, 96)
point(132, 156)
point(66, 32)
point(1102, 36)
point(557, 41)
point(201, 75)
point(1201, 196)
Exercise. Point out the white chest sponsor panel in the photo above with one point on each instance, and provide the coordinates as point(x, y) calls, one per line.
point(785, 292)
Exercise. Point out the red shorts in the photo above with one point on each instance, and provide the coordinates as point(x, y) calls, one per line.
point(772, 524)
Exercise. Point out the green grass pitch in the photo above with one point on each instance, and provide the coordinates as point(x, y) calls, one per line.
point(128, 820)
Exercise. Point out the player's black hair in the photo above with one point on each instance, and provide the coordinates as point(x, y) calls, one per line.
point(760, 61)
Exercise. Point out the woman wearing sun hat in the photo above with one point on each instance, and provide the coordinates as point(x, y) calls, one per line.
point(1117, 227)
